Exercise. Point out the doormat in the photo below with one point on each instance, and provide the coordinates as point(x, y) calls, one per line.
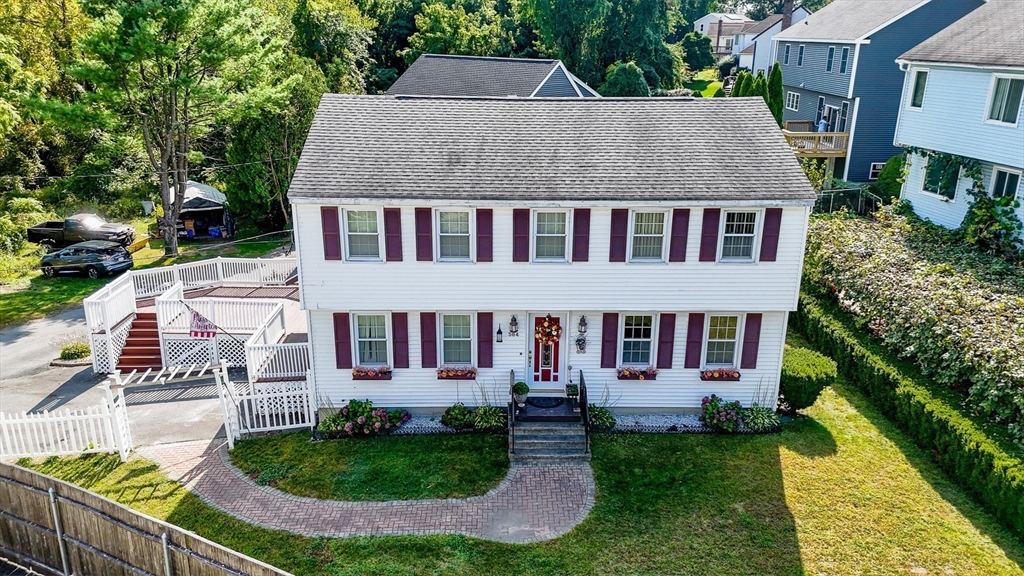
point(544, 401)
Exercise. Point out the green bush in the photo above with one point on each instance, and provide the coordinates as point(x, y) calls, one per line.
point(975, 457)
point(360, 418)
point(75, 350)
point(717, 413)
point(458, 416)
point(805, 373)
point(125, 209)
point(12, 235)
point(932, 298)
point(601, 418)
point(489, 417)
point(890, 179)
point(760, 418)
point(24, 206)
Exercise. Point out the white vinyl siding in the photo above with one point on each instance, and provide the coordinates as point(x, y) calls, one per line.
point(550, 232)
point(722, 340)
point(457, 339)
point(648, 237)
point(371, 339)
point(1004, 104)
point(363, 234)
point(637, 340)
point(453, 231)
point(738, 236)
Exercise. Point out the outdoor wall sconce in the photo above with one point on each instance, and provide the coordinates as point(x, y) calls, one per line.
point(499, 333)
point(513, 327)
point(583, 325)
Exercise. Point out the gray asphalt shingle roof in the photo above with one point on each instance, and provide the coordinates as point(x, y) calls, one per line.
point(443, 75)
point(847, 19)
point(762, 25)
point(990, 35)
point(522, 149)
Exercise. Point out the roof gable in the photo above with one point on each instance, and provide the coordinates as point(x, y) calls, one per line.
point(447, 75)
point(992, 35)
point(849, 19)
point(546, 149)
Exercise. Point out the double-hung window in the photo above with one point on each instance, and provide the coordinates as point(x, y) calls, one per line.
point(800, 56)
point(844, 61)
point(457, 339)
point(723, 334)
point(363, 234)
point(830, 62)
point(637, 336)
point(1005, 183)
point(941, 178)
point(550, 236)
point(453, 236)
point(876, 170)
point(793, 101)
point(785, 58)
point(648, 236)
point(917, 95)
point(1004, 104)
point(738, 236)
point(371, 339)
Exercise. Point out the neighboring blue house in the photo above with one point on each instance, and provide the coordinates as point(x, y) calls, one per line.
point(839, 65)
point(446, 75)
point(962, 96)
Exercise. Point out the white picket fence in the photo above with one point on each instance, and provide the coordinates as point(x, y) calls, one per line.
point(273, 406)
point(100, 428)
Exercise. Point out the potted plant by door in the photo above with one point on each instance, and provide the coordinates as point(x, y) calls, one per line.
point(519, 392)
point(573, 392)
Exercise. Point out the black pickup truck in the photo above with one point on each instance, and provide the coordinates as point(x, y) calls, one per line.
point(79, 228)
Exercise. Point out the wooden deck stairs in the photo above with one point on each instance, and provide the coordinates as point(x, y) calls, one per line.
point(142, 349)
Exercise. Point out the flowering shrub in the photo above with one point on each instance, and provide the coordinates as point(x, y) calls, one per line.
point(648, 373)
point(360, 418)
point(931, 297)
point(717, 413)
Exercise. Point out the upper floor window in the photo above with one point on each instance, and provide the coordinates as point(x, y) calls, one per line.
point(363, 234)
point(830, 62)
point(453, 235)
point(550, 235)
point(920, 82)
point(637, 335)
point(738, 237)
point(371, 339)
point(844, 60)
point(793, 101)
point(648, 236)
point(785, 58)
point(941, 178)
point(1005, 183)
point(723, 333)
point(457, 339)
point(800, 56)
point(1004, 102)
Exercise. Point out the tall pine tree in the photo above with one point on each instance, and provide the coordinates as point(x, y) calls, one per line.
point(776, 94)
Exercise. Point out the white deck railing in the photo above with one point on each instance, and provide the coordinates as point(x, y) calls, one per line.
point(111, 309)
point(217, 271)
point(266, 357)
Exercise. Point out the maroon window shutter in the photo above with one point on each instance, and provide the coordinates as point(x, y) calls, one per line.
point(709, 235)
point(680, 227)
point(581, 235)
point(428, 339)
point(609, 340)
point(694, 340)
point(400, 337)
point(484, 235)
point(424, 239)
point(620, 229)
point(342, 341)
point(666, 340)
point(770, 234)
point(751, 339)
point(332, 234)
point(393, 234)
point(521, 235)
point(485, 339)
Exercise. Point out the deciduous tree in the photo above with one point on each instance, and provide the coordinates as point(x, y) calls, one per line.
point(698, 51)
point(625, 79)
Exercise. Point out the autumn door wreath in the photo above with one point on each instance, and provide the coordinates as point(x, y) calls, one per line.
point(548, 331)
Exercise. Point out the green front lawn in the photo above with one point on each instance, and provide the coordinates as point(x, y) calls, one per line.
point(382, 468)
point(841, 492)
point(706, 82)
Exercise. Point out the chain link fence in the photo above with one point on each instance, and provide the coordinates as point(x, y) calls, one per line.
point(857, 200)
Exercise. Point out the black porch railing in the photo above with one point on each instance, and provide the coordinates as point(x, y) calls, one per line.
point(585, 413)
point(511, 412)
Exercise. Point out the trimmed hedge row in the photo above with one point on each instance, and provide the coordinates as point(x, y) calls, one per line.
point(805, 373)
point(923, 409)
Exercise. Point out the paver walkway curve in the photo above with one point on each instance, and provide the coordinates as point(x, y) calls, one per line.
point(534, 502)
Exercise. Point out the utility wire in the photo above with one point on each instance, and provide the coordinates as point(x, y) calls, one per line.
point(113, 175)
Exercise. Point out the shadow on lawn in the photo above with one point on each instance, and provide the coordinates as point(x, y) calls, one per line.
point(925, 465)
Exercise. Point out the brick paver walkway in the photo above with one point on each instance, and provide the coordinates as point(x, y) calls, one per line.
point(532, 503)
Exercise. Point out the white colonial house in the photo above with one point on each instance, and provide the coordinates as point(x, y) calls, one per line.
point(437, 235)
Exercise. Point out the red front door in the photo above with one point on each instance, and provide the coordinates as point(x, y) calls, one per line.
point(545, 356)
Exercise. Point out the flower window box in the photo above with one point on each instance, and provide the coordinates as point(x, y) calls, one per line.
point(456, 373)
point(720, 375)
point(648, 373)
point(374, 373)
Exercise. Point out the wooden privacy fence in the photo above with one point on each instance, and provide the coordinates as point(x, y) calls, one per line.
point(100, 428)
point(58, 528)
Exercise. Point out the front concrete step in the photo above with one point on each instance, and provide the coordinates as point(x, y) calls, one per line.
point(548, 441)
point(549, 455)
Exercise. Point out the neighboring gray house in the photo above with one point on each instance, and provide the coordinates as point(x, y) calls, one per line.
point(839, 65)
point(753, 43)
point(443, 75)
